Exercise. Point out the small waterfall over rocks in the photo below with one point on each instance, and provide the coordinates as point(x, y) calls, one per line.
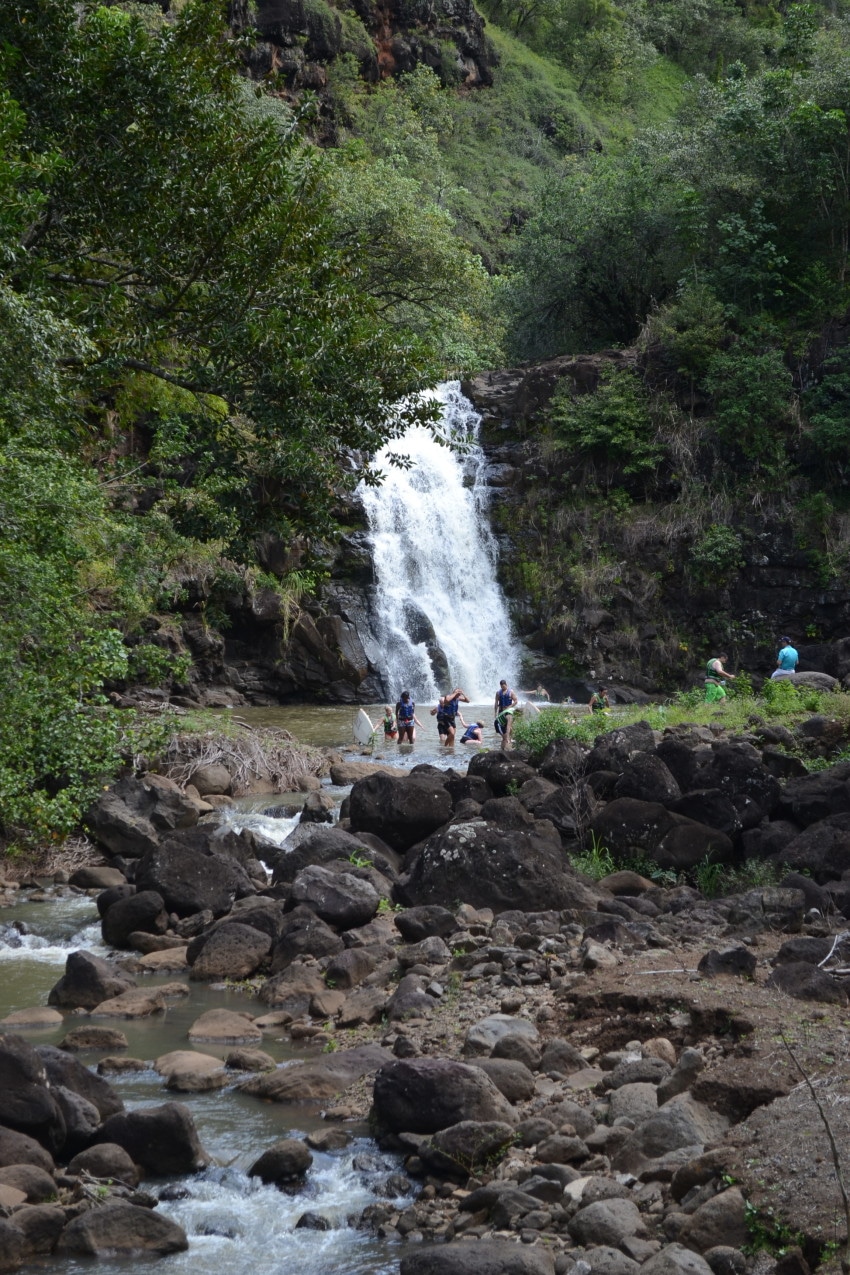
point(439, 616)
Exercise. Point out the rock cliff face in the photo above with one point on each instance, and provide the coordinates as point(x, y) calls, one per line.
point(617, 598)
point(297, 40)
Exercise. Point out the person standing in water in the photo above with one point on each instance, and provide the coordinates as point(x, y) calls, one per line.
point(715, 674)
point(505, 699)
point(786, 660)
point(388, 724)
point(447, 714)
point(405, 715)
point(599, 701)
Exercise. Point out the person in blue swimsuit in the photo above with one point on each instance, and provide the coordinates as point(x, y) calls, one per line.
point(473, 734)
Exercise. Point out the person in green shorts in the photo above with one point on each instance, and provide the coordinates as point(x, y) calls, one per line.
point(715, 674)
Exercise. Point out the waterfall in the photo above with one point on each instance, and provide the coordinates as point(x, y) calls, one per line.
point(440, 619)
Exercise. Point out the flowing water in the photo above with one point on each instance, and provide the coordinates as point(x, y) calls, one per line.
point(440, 614)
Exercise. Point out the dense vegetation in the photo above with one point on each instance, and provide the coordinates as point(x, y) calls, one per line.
point(205, 316)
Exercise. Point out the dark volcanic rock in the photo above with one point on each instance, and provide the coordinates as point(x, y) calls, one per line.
point(231, 951)
point(286, 1159)
point(162, 1140)
point(646, 777)
point(817, 796)
point(131, 816)
point(400, 810)
point(304, 934)
point(190, 876)
point(338, 898)
point(26, 1104)
point(484, 1257)
point(121, 1227)
point(424, 922)
point(424, 1095)
point(807, 983)
point(822, 850)
point(488, 868)
point(87, 982)
point(500, 772)
point(63, 1068)
point(142, 912)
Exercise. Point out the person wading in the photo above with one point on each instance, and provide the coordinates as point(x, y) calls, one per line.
point(405, 715)
point(448, 713)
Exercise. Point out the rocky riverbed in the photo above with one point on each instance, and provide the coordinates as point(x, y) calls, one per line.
point(576, 1076)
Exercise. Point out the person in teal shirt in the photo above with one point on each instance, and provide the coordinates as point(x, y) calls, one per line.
point(786, 661)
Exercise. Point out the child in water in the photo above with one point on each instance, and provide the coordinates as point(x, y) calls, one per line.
point(388, 723)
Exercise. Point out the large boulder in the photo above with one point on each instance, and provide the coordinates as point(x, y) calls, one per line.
point(415, 924)
point(18, 1148)
point(131, 816)
point(627, 825)
point(304, 934)
point(822, 850)
point(563, 761)
point(613, 750)
point(687, 843)
point(646, 777)
point(88, 981)
point(64, 1069)
point(120, 1227)
point(191, 877)
point(806, 982)
point(817, 796)
point(488, 867)
point(287, 1159)
point(26, 1103)
point(466, 1147)
point(424, 1095)
point(320, 1079)
point(142, 912)
point(711, 807)
point(679, 1123)
point(502, 773)
point(484, 1257)
point(738, 770)
point(401, 810)
point(337, 898)
point(309, 845)
point(231, 951)
point(162, 1140)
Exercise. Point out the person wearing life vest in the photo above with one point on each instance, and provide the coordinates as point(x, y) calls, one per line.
point(388, 723)
point(473, 733)
point(786, 661)
point(447, 714)
point(505, 699)
point(715, 674)
point(405, 715)
point(599, 701)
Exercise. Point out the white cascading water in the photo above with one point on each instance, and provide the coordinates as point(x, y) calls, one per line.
point(433, 550)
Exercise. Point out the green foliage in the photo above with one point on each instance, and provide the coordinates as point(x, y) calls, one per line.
point(716, 556)
point(752, 404)
point(536, 733)
point(613, 425)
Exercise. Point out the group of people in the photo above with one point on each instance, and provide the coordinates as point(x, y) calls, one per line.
point(715, 673)
point(401, 723)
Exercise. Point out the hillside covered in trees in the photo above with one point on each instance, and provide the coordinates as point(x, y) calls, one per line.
point(232, 238)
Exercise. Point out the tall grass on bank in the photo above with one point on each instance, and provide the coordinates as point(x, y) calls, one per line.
point(779, 703)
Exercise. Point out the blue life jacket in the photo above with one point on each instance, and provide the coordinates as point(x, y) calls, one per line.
point(469, 732)
point(449, 709)
point(405, 712)
point(504, 698)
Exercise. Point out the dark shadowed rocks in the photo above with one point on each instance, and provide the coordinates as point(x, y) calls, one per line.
point(424, 1095)
point(320, 1079)
point(483, 865)
point(26, 1104)
point(303, 934)
point(161, 1140)
point(132, 816)
point(121, 1227)
point(647, 778)
point(485, 1257)
point(286, 1160)
point(191, 876)
point(141, 912)
point(401, 810)
point(424, 922)
point(502, 773)
point(64, 1069)
point(338, 898)
point(88, 981)
point(806, 982)
point(231, 951)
